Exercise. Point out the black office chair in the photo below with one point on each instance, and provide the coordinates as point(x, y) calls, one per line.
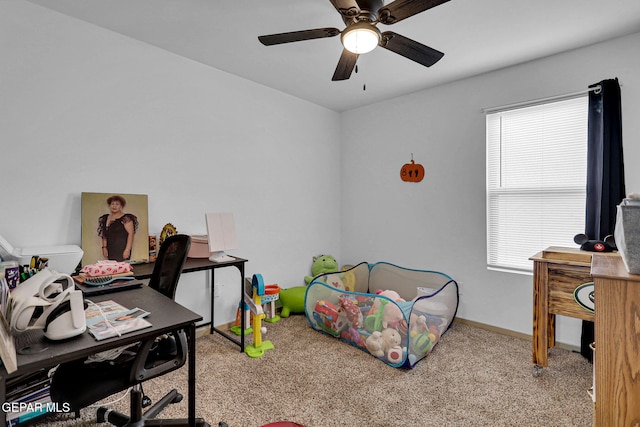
point(81, 384)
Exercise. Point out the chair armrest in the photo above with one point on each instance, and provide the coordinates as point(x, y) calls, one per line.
point(148, 365)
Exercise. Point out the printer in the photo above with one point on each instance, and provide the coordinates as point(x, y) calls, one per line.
point(62, 258)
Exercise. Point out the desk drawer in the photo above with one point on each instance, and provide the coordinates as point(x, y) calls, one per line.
point(563, 280)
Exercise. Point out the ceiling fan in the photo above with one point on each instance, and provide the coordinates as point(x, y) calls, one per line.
point(362, 35)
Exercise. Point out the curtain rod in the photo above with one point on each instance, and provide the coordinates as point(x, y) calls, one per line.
point(533, 102)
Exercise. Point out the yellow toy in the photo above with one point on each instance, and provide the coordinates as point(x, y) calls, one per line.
point(258, 347)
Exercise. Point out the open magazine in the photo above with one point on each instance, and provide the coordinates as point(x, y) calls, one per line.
point(108, 319)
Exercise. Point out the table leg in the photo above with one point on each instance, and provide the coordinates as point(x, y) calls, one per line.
point(212, 328)
point(240, 267)
point(242, 325)
point(542, 321)
point(192, 375)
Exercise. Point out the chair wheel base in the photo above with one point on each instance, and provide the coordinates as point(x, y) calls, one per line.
point(106, 415)
point(101, 415)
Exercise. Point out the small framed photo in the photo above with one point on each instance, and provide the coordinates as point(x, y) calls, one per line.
point(115, 226)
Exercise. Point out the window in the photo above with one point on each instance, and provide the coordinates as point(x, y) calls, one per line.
point(536, 180)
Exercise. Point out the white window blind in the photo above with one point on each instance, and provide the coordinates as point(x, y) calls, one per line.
point(536, 180)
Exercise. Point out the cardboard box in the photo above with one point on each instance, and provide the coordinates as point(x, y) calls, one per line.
point(199, 246)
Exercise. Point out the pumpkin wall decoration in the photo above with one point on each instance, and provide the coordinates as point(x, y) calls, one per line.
point(412, 172)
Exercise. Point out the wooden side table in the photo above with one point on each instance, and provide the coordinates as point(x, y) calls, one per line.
point(557, 272)
point(617, 335)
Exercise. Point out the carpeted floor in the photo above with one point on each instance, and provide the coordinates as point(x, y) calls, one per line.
point(473, 377)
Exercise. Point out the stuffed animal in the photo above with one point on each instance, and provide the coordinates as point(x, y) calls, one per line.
point(349, 281)
point(392, 295)
point(374, 344)
point(390, 339)
point(380, 302)
point(352, 311)
point(322, 264)
point(391, 316)
point(334, 280)
point(418, 325)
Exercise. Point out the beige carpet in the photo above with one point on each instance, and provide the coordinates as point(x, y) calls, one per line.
point(473, 377)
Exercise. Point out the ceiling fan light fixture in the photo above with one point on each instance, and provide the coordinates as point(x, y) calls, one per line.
point(361, 38)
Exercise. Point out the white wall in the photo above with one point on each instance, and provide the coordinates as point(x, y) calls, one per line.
point(440, 223)
point(87, 110)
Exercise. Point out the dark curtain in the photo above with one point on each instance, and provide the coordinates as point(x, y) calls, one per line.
point(605, 172)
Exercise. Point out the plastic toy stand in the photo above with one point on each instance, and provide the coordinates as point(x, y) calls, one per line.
point(259, 347)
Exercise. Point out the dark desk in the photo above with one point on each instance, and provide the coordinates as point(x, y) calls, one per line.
point(143, 271)
point(166, 316)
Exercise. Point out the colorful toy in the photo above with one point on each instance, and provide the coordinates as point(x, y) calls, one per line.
point(354, 336)
point(243, 310)
point(373, 321)
point(271, 295)
point(330, 318)
point(396, 354)
point(292, 300)
point(352, 311)
point(328, 310)
point(258, 348)
point(322, 264)
point(376, 317)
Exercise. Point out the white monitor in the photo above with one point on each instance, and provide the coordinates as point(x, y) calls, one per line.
point(221, 230)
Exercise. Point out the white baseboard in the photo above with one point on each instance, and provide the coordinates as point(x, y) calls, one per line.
point(511, 333)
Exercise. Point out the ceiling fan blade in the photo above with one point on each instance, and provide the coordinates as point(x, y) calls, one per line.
point(296, 36)
point(346, 64)
point(402, 9)
point(346, 8)
point(410, 49)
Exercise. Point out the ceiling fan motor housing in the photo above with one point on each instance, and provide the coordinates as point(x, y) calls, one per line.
point(368, 12)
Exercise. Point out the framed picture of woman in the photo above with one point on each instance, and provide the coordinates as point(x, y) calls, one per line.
point(115, 226)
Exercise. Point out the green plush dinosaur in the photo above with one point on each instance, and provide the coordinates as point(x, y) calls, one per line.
point(322, 264)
